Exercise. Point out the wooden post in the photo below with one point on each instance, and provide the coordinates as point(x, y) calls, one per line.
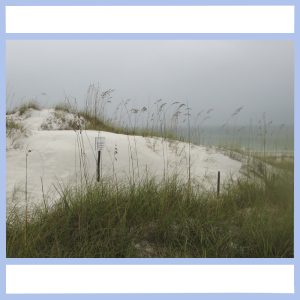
point(99, 145)
point(98, 166)
point(218, 187)
point(26, 179)
point(100, 172)
point(26, 201)
point(26, 197)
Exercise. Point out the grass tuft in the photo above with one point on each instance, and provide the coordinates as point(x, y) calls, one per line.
point(12, 125)
point(26, 106)
point(65, 107)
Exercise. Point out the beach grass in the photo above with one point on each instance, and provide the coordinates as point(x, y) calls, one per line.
point(253, 216)
point(28, 105)
point(250, 218)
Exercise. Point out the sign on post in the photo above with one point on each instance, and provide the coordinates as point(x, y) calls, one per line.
point(99, 145)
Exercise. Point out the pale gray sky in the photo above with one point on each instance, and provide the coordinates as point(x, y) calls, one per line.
point(222, 75)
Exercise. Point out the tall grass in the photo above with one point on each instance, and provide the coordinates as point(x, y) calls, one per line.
point(94, 114)
point(250, 218)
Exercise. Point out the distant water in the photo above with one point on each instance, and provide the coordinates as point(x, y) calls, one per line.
point(276, 139)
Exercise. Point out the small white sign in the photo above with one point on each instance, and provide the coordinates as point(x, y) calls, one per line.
point(99, 143)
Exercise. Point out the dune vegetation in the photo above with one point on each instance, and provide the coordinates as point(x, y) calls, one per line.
point(252, 216)
point(248, 219)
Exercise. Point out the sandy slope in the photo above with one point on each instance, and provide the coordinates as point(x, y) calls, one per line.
point(54, 159)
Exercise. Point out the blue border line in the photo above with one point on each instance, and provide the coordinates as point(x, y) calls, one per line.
point(2, 153)
point(296, 148)
point(148, 37)
point(191, 296)
point(147, 2)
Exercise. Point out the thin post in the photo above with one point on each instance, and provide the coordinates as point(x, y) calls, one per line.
point(98, 166)
point(26, 213)
point(26, 196)
point(218, 186)
point(26, 179)
point(99, 145)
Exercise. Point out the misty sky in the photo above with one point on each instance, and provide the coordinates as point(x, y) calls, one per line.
point(222, 75)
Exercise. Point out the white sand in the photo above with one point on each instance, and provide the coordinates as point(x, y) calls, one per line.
point(54, 159)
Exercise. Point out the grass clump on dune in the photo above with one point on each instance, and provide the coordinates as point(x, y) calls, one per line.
point(97, 123)
point(170, 219)
point(12, 125)
point(65, 107)
point(14, 130)
point(29, 105)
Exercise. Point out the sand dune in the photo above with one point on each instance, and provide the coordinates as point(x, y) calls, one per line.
point(61, 157)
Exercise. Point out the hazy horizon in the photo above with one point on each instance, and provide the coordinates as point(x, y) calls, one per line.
point(218, 75)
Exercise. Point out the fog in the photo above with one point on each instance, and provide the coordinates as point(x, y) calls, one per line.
point(222, 75)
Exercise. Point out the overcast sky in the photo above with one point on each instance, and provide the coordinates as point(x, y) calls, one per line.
point(222, 75)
